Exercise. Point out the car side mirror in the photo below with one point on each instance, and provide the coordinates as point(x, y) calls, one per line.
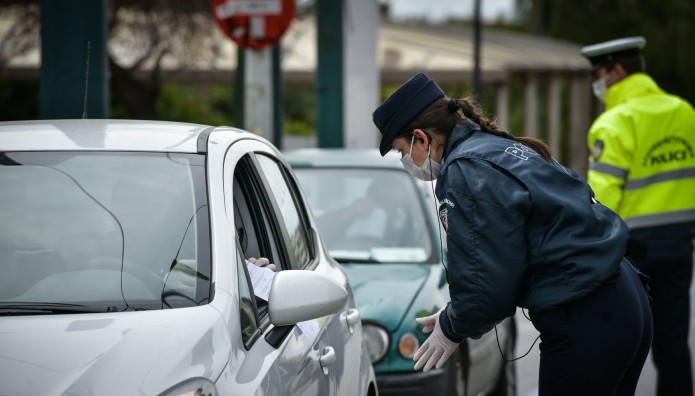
point(299, 295)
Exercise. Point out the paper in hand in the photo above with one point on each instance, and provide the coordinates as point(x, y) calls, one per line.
point(261, 279)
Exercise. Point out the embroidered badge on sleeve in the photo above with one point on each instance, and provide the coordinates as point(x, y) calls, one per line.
point(597, 150)
point(444, 216)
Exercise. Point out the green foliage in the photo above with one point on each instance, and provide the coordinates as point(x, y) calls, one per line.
point(210, 104)
point(298, 109)
point(668, 26)
point(214, 105)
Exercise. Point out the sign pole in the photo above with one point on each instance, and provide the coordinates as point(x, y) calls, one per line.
point(256, 27)
point(258, 93)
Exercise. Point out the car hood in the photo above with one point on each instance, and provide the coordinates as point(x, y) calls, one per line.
point(385, 292)
point(142, 352)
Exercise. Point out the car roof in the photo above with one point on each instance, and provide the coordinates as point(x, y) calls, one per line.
point(348, 158)
point(102, 134)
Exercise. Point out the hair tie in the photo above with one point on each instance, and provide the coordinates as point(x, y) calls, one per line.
point(453, 106)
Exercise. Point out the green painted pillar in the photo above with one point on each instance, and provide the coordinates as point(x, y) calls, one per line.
point(329, 73)
point(68, 28)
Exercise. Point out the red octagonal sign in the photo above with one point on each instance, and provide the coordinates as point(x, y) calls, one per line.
point(254, 23)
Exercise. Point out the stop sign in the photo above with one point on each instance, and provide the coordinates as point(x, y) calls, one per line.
point(254, 23)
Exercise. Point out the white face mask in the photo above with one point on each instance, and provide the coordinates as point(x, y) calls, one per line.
point(599, 87)
point(429, 170)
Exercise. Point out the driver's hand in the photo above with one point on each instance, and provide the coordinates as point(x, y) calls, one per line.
point(262, 262)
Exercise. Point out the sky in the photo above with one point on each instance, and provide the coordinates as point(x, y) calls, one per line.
point(435, 10)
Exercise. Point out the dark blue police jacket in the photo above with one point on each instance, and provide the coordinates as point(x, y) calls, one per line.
point(521, 231)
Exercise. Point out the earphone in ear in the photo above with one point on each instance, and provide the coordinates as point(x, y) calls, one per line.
point(421, 140)
point(429, 137)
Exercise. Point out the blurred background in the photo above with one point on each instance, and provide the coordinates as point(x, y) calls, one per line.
point(336, 61)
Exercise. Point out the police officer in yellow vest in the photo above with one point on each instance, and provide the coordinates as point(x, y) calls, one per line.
point(642, 165)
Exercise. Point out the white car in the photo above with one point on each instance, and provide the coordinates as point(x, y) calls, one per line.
point(123, 270)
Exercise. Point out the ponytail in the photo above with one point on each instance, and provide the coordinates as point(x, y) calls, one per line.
point(442, 116)
point(473, 112)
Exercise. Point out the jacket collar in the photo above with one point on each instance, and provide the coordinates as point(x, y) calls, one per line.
point(634, 85)
point(463, 130)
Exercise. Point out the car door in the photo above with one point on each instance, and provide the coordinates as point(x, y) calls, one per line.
point(270, 224)
point(343, 330)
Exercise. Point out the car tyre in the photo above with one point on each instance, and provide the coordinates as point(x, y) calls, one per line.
point(506, 379)
point(457, 372)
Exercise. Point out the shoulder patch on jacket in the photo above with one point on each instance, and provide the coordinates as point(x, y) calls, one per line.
point(444, 216)
point(597, 150)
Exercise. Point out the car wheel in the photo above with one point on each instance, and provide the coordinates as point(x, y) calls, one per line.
point(457, 372)
point(506, 379)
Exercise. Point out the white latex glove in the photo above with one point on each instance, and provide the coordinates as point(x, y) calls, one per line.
point(437, 349)
point(262, 262)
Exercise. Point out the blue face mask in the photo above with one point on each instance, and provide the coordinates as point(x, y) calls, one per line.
point(429, 170)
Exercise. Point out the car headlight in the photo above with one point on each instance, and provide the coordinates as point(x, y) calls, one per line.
point(407, 345)
point(192, 387)
point(377, 340)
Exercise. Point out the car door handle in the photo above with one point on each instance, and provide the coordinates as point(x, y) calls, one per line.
point(352, 317)
point(327, 358)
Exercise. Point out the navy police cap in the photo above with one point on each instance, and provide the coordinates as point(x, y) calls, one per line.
point(610, 51)
point(414, 96)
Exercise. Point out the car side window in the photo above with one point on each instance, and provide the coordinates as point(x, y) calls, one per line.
point(291, 215)
point(256, 232)
point(252, 220)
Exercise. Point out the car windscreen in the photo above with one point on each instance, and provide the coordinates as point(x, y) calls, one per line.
point(109, 230)
point(369, 215)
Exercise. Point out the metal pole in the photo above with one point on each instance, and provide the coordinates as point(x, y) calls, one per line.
point(277, 97)
point(238, 96)
point(477, 88)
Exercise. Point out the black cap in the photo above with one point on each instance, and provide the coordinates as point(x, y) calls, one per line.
point(614, 50)
point(414, 96)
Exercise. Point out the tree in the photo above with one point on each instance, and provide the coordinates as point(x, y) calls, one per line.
point(154, 32)
point(144, 37)
point(666, 24)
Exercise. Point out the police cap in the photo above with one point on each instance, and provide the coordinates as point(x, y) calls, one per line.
point(614, 50)
point(414, 96)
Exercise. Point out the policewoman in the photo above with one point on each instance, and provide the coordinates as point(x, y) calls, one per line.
point(642, 166)
point(522, 230)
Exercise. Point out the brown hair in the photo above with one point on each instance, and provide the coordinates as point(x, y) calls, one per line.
point(442, 116)
point(631, 64)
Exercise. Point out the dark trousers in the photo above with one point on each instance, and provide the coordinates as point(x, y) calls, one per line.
point(670, 291)
point(598, 344)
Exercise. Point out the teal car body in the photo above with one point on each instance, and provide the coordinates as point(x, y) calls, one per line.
point(400, 276)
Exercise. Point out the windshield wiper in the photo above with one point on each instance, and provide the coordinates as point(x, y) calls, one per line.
point(353, 260)
point(8, 309)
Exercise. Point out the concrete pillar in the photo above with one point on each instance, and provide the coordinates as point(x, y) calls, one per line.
point(531, 106)
point(362, 80)
point(580, 98)
point(502, 105)
point(554, 114)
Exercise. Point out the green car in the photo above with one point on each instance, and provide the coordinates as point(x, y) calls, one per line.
point(381, 225)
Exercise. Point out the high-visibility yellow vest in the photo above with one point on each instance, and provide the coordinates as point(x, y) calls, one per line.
point(642, 162)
